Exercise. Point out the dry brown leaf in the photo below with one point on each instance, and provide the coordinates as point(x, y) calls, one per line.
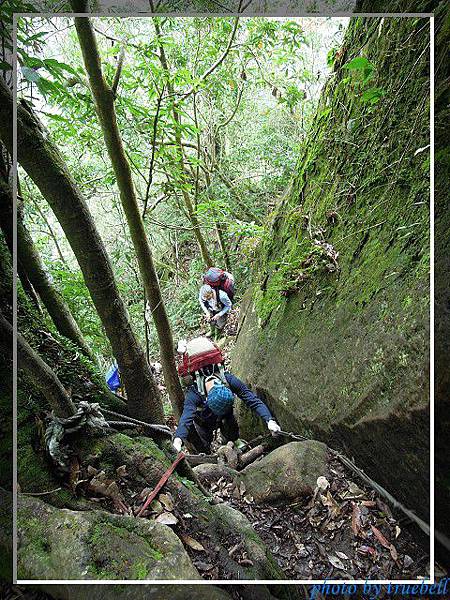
point(167, 501)
point(354, 489)
point(341, 555)
point(356, 519)
point(112, 491)
point(334, 560)
point(369, 503)
point(91, 471)
point(166, 519)
point(367, 550)
point(192, 543)
point(393, 552)
point(332, 505)
point(122, 471)
point(384, 508)
point(380, 537)
point(98, 487)
point(156, 506)
point(323, 483)
point(407, 561)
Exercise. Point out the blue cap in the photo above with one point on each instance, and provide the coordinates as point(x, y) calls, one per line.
point(220, 399)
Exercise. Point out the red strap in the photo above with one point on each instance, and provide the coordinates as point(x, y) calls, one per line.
point(161, 483)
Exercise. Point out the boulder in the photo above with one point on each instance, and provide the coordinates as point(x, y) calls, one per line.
point(334, 331)
point(287, 472)
point(64, 544)
point(208, 473)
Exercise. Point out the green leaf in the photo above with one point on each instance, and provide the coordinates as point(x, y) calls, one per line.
point(54, 65)
point(373, 95)
point(359, 63)
point(30, 74)
point(4, 66)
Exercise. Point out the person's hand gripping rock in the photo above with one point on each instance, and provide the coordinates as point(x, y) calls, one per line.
point(177, 443)
point(273, 427)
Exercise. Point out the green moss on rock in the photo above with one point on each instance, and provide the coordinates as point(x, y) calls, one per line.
point(343, 354)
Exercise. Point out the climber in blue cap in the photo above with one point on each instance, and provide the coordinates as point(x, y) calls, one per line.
point(214, 409)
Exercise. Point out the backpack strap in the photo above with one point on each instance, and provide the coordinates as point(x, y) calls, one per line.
point(200, 382)
point(219, 301)
point(200, 376)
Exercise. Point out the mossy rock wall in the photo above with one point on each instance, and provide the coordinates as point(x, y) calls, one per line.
point(339, 346)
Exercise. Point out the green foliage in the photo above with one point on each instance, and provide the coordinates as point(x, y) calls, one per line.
point(364, 72)
point(240, 130)
point(362, 66)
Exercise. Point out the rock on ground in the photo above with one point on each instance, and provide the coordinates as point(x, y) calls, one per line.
point(287, 472)
point(58, 543)
point(209, 473)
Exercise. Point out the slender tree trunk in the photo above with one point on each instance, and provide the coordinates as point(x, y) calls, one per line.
point(51, 232)
point(104, 100)
point(34, 269)
point(43, 162)
point(219, 230)
point(37, 371)
point(187, 199)
point(6, 223)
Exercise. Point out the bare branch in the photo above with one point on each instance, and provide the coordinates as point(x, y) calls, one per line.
point(152, 160)
point(118, 72)
point(231, 117)
point(217, 64)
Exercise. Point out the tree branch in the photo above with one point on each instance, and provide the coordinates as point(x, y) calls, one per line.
point(217, 64)
point(118, 72)
point(231, 117)
point(152, 160)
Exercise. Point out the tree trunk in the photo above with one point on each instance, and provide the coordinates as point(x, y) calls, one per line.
point(37, 371)
point(7, 228)
point(219, 229)
point(187, 199)
point(34, 269)
point(104, 101)
point(43, 162)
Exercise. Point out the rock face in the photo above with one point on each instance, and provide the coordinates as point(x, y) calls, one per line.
point(287, 472)
point(59, 543)
point(334, 331)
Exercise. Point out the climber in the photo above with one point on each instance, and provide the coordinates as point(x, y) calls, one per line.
point(216, 305)
point(215, 409)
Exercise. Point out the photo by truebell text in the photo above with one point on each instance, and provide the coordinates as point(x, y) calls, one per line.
point(373, 591)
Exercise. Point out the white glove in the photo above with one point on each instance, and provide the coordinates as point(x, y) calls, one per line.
point(273, 427)
point(177, 443)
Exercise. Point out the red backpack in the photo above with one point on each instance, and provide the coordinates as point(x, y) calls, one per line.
point(202, 357)
point(219, 279)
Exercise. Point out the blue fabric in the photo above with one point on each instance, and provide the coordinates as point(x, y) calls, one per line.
point(195, 405)
point(112, 378)
point(220, 399)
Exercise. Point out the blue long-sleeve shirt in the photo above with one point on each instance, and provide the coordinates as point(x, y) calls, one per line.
point(195, 404)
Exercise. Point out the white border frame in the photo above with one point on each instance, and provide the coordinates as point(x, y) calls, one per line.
point(311, 582)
